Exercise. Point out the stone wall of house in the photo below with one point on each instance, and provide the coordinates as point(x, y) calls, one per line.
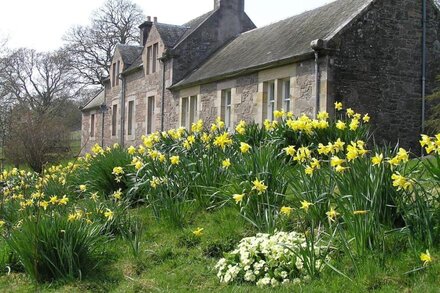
point(377, 67)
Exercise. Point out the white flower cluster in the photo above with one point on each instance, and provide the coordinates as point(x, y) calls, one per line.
point(267, 260)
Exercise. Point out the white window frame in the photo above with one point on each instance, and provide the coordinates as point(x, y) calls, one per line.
point(189, 111)
point(286, 95)
point(226, 105)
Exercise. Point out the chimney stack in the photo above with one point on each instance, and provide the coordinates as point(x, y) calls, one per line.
point(155, 19)
point(145, 30)
point(234, 5)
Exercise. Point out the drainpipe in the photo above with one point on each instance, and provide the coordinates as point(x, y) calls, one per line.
point(122, 100)
point(424, 66)
point(317, 45)
point(162, 103)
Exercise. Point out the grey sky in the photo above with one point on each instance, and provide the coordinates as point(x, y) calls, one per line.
point(40, 24)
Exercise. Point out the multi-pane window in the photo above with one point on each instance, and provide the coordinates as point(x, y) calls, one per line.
point(149, 53)
point(118, 68)
point(130, 117)
point(152, 58)
point(226, 108)
point(286, 95)
point(114, 119)
point(270, 94)
point(92, 125)
point(189, 110)
point(150, 115)
point(114, 75)
point(154, 61)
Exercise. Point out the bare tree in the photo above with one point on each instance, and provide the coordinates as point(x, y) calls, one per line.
point(37, 88)
point(91, 47)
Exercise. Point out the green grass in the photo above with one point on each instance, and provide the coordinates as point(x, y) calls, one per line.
point(173, 260)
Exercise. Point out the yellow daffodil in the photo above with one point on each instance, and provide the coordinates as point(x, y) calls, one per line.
point(350, 112)
point(118, 171)
point(54, 199)
point(332, 214)
point(259, 186)
point(279, 114)
point(340, 169)
point(354, 124)
point(109, 214)
point(241, 127)
point(244, 147)
point(305, 205)
point(290, 150)
point(338, 106)
point(323, 115)
point(377, 159)
point(154, 182)
point(336, 161)
point(131, 150)
point(63, 201)
point(44, 204)
point(2, 223)
point(175, 160)
point(286, 210)
point(226, 163)
point(138, 165)
point(198, 232)
point(341, 125)
point(83, 187)
point(117, 195)
point(238, 197)
point(366, 118)
point(223, 140)
point(401, 182)
point(426, 257)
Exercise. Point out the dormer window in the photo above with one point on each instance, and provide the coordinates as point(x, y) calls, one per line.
point(115, 73)
point(152, 58)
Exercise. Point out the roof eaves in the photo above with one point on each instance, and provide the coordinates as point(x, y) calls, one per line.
point(301, 57)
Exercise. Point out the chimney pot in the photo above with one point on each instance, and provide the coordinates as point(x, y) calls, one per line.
point(148, 18)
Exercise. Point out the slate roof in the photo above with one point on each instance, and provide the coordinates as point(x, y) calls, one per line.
point(170, 33)
point(279, 41)
point(95, 102)
point(129, 53)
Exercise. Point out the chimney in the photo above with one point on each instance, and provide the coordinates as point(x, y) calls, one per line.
point(145, 30)
point(155, 19)
point(235, 5)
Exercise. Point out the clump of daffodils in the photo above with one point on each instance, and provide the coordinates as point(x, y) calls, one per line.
point(267, 260)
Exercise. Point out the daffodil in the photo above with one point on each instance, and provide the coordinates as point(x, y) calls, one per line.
point(366, 118)
point(54, 199)
point(332, 214)
point(131, 150)
point(401, 182)
point(83, 187)
point(226, 163)
point(350, 112)
point(2, 223)
point(223, 140)
point(338, 106)
point(238, 197)
point(377, 159)
point(305, 205)
point(323, 115)
point(198, 232)
point(426, 257)
point(290, 150)
point(286, 210)
point(259, 186)
point(175, 160)
point(244, 147)
point(341, 125)
point(109, 214)
point(63, 201)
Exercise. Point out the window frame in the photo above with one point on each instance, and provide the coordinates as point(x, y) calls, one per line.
point(151, 103)
point(130, 118)
point(114, 130)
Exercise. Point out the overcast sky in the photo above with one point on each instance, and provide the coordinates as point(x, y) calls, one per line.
point(40, 24)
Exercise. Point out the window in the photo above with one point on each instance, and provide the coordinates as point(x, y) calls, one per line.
point(226, 108)
point(117, 72)
point(148, 59)
point(114, 75)
point(150, 115)
point(152, 58)
point(188, 111)
point(114, 119)
point(92, 125)
point(286, 95)
point(130, 117)
point(269, 100)
point(155, 55)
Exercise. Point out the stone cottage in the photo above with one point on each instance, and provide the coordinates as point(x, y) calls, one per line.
point(366, 53)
